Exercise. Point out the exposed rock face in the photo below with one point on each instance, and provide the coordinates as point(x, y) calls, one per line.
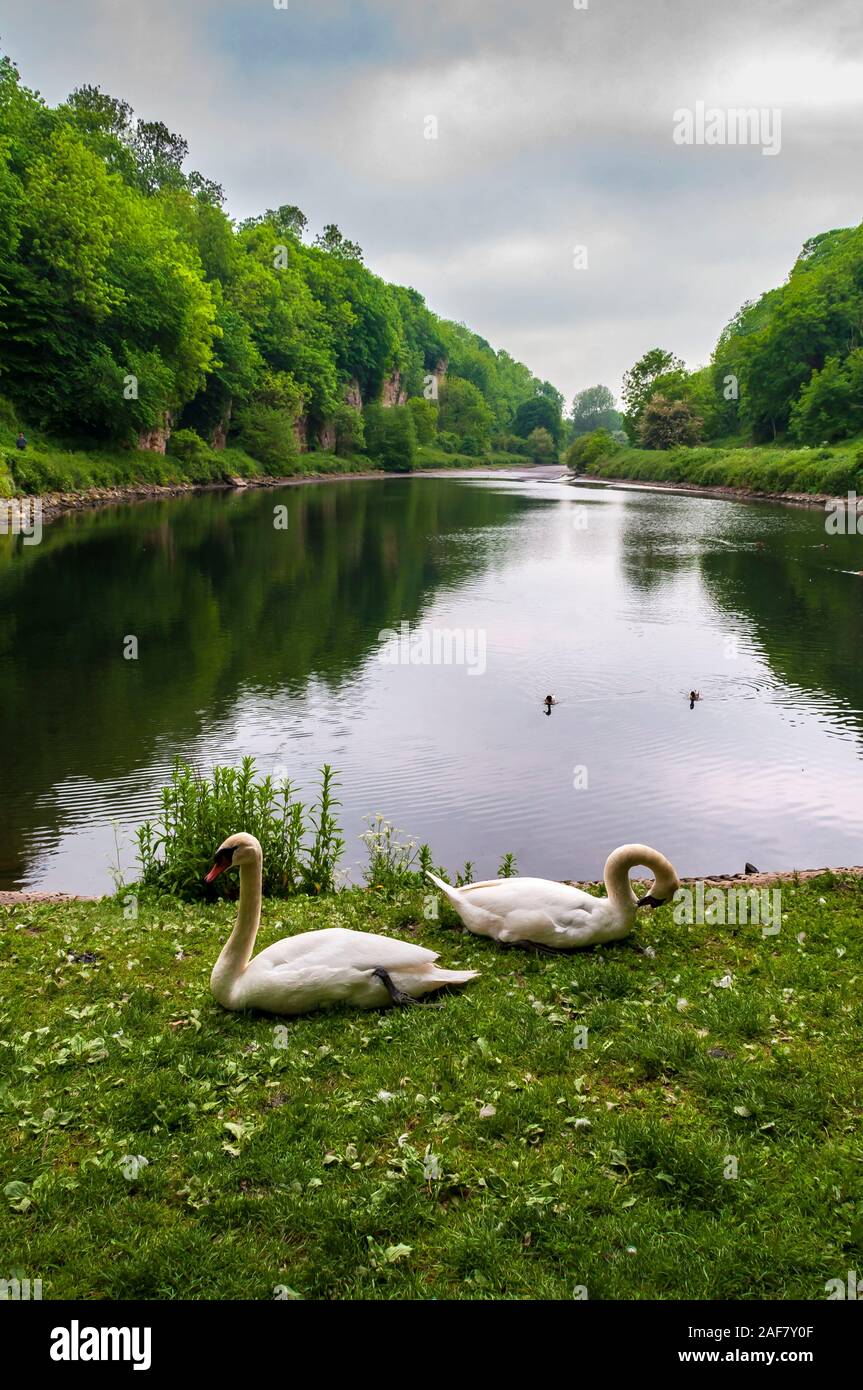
point(156, 439)
point(353, 396)
point(393, 392)
point(301, 433)
point(219, 436)
point(439, 372)
point(327, 437)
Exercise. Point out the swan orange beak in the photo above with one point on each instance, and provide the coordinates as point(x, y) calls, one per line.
point(214, 872)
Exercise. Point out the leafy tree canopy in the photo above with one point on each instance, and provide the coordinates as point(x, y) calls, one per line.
point(129, 299)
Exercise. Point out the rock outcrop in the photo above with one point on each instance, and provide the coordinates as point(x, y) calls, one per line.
point(393, 393)
point(219, 437)
point(156, 439)
point(439, 373)
point(301, 433)
point(327, 437)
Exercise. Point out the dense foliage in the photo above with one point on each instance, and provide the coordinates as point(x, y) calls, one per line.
point(130, 303)
point(789, 365)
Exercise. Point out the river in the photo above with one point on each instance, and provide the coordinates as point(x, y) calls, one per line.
point(265, 632)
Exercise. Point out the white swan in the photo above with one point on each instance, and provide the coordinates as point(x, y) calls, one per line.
point(553, 916)
point(317, 968)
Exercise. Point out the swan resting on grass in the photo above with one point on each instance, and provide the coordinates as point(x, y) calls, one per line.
point(317, 968)
point(540, 913)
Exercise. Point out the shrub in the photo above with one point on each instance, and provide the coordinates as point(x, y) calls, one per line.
point(425, 415)
point(586, 449)
point(350, 431)
point(267, 433)
point(448, 442)
point(7, 485)
point(391, 437)
point(465, 413)
point(509, 444)
point(830, 405)
point(540, 445)
point(301, 845)
point(199, 461)
point(665, 423)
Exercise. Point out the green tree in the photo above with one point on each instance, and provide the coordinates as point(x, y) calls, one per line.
point(464, 412)
point(350, 430)
point(540, 445)
point(391, 437)
point(657, 370)
point(830, 405)
point(539, 412)
point(665, 423)
point(128, 297)
point(332, 241)
point(425, 415)
point(774, 346)
point(586, 449)
point(594, 409)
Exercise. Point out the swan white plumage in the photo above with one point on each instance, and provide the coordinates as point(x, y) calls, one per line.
point(539, 912)
point(317, 968)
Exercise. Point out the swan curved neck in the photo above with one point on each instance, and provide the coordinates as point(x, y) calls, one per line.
point(237, 951)
point(616, 876)
point(622, 861)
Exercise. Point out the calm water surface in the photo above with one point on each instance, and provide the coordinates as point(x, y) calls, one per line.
point(264, 641)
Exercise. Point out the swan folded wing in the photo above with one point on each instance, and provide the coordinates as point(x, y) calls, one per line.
point(506, 895)
point(338, 947)
point(300, 987)
point(576, 926)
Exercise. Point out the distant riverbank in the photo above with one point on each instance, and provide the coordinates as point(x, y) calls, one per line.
point(774, 472)
point(731, 494)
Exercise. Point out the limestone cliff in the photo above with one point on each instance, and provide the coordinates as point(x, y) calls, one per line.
point(156, 439)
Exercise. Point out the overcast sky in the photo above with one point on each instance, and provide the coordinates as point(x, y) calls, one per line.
point(554, 130)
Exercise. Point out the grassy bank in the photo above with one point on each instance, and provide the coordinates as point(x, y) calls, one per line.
point(835, 469)
point(467, 1151)
point(44, 467)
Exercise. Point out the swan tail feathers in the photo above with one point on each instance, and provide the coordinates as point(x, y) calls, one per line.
point(446, 888)
point(476, 919)
point(441, 977)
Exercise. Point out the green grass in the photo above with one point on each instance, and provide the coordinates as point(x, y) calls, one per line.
point(352, 1155)
point(430, 457)
point(46, 467)
point(835, 469)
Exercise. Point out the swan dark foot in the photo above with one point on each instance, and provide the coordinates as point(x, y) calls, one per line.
point(535, 946)
point(398, 996)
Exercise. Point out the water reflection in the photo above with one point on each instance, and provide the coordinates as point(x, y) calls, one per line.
point(257, 639)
